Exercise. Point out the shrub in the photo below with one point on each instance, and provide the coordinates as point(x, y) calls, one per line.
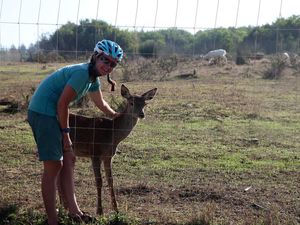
point(167, 65)
point(278, 63)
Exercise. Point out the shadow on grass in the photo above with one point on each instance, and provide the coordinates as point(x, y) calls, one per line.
point(10, 214)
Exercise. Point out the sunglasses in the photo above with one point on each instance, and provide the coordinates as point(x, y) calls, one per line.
point(107, 61)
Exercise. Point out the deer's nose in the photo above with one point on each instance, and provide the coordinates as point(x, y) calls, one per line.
point(141, 115)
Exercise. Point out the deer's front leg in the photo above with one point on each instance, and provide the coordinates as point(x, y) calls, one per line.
point(96, 162)
point(109, 177)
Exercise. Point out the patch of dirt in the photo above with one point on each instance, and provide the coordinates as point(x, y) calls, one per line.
point(139, 190)
point(236, 199)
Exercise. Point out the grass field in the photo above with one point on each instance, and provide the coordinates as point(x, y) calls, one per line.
point(220, 148)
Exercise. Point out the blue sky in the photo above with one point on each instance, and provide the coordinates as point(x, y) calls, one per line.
point(23, 21)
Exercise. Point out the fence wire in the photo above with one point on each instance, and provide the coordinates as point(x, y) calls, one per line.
point(190, 94)
point(116, 9)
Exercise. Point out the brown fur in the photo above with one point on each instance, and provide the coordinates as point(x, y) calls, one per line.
point(98, 138)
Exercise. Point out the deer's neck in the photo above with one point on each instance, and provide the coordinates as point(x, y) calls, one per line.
point(123, 125)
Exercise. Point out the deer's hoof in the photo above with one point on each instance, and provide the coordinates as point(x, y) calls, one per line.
point(99, 212)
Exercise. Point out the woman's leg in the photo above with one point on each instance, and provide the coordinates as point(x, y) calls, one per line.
point(49, 178)
point(67, 183)
point(62, 195)
point(47, 134)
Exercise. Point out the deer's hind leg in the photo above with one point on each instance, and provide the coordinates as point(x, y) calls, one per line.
point(96, 162)
point(108, 172)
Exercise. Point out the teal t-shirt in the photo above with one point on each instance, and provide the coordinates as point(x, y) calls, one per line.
point(46, 96)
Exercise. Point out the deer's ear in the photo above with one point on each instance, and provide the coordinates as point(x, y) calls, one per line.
point(149, 94)
point(125, 92)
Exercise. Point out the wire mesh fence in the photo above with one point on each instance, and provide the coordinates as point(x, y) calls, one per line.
point(214, 127)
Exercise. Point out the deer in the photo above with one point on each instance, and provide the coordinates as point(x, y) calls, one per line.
point(98, 138)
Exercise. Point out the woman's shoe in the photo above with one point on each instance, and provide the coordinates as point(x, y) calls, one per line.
point(85, 218)
point(46, 223)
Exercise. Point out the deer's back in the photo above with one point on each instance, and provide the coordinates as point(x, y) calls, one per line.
point(91, 136)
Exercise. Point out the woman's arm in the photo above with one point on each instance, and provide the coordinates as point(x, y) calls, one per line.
point(66, 97)
point(99, 101)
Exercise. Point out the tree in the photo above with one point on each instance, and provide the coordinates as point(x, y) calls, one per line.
point(282, 35)
point(23, 52)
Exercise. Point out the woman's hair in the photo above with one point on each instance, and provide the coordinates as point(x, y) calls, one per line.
point(92, 70)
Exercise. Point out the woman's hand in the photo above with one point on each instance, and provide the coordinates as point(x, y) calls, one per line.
point(69, 158)
point(67, 143)
point(115, 115)
point(68, 153)
point(97, 98)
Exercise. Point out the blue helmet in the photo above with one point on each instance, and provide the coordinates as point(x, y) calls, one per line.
point(109, 48)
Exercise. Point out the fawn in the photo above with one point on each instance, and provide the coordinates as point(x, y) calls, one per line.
point(98, 138)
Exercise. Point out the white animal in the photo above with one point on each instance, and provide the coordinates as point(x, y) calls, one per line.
point(214, 54)
point(286, 56)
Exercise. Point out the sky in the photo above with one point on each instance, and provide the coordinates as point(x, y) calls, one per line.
point(24, 21)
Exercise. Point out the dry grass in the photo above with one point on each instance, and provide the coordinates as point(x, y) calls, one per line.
point(203, 142)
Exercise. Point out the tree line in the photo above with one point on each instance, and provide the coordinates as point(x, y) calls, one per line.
point(72, 41)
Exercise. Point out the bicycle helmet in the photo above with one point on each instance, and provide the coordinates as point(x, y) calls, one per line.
point(109, 48)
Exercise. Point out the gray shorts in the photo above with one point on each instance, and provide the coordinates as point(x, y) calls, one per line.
point(47, 135)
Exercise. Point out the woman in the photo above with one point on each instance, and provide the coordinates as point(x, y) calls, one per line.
point(48, 116)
